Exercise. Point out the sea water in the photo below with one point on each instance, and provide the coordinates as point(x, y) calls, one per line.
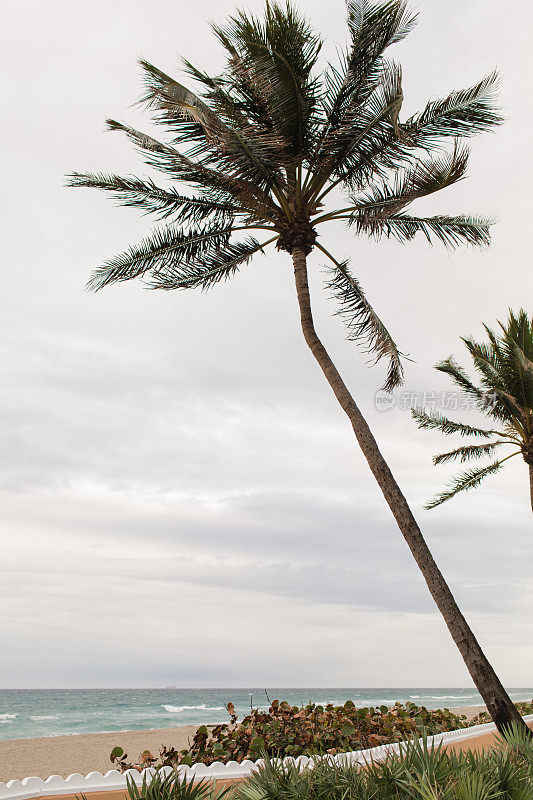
point(29, 713)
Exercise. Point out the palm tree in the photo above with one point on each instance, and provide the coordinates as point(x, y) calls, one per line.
point(263, 146)
point(504, 395)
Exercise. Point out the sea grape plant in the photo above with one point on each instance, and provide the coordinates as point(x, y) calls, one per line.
point(286, 730)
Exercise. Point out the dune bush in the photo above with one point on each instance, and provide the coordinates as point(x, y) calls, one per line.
point(418, 772)
point(285, 730)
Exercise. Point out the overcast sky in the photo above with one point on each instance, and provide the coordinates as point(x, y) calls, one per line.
point(183, 501)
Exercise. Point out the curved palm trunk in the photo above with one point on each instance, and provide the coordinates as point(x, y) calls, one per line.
point(494, 695)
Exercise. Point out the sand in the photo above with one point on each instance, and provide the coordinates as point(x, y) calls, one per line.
point(63, 755)
point(469, 711)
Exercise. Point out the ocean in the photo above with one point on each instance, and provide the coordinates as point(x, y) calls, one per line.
point(29, 713)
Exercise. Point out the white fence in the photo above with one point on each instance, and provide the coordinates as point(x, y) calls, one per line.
point(96, 782)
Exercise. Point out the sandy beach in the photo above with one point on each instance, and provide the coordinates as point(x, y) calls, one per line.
point(63, 755)
point(469, 711)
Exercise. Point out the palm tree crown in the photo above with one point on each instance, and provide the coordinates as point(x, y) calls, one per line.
point(504, 395)
point(265, 142)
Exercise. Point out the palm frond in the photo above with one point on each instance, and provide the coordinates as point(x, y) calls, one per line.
point(363, 323)
point(502, 375)
point(459, 377)
point(519, 329)
point(176, 103)
point(449, 231)
point(224, 136)
point(462, 113)
point(517, 364)
point(467, 453)
point(152, 199)
point(484, 399)
point(213, 267)
point(348, 146)
point(487, 360)
point(465, 481)
point(439, 422)
point(283, 50)
point(156, 154)
point(215, 184)
point(163, 247)
point(373, 29)
point(419, 180)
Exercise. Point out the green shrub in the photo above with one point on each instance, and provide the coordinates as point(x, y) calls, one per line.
point(417, 772)
point(171, 787)
point(524, 708)
point(286, 730)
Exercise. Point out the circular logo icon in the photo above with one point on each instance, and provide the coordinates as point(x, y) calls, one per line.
point(384, 401)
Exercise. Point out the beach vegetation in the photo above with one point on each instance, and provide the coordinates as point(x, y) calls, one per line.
point(418, 771)
point(170, 786)
point(524, 708)
point(274, 149)
point(503, 394)
point(285, 730)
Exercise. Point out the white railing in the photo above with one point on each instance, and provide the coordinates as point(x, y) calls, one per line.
point(96, 782)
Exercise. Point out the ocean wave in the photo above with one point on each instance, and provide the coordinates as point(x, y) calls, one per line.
point(50, 716)
point(180, 709)
point(8, 716)
point(450, 697)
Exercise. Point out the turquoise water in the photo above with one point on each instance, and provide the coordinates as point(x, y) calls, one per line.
point(28, 713)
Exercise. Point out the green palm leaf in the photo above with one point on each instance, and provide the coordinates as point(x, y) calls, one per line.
point(363, 323)
point(350, 147)
point(373, 29)
point(436, 421)
point(462, 113)
point(465, 481)
point(213, 267)
point(423, 178)
point(467, 453)
point(162, 248)
point(216, 185)
point(152, 199)
point(461, 379)
point(449, 231)
point(281, 50)
point(225, 139)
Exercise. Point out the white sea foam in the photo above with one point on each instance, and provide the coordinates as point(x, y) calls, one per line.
point(8, 716)
point(450, 697)
point(180, 709)
point(49, 716)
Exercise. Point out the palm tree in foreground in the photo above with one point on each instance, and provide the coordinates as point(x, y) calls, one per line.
point(505, 395)
point(263, 147)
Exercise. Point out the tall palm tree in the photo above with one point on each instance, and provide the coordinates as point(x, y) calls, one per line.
point(504, 395)
point(263, 146)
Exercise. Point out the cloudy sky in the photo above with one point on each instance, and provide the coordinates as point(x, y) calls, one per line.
point(182, 500)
